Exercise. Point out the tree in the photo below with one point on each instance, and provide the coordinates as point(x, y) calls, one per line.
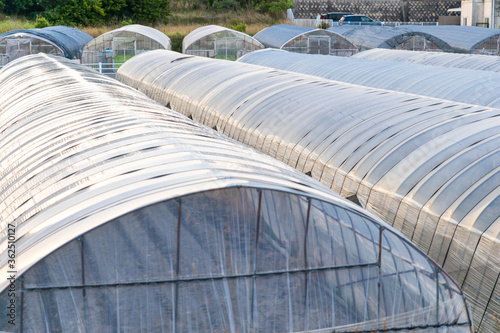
point(152, 11)
point(273, 7)
point(73, 12)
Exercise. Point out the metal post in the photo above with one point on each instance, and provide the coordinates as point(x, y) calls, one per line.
point(100, 67)
point(379, 283)
point(492, 20)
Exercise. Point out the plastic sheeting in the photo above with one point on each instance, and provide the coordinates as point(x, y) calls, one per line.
point(453, 84)
point(214, 41)
point(427, 166)
point(107, 52)
point(369, 37)
point(69, 40)
point(306, 40)
point(131, 217)
point(463, 39)
point(454, 60)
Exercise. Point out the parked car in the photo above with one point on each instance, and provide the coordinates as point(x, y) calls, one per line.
point(358, 20)
point(334, 16)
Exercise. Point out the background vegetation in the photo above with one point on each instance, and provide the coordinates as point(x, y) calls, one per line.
point(150, 12)
point(176, 20)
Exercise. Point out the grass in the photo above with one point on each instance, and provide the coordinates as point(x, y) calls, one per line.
point(180, 22)
point(13, 23)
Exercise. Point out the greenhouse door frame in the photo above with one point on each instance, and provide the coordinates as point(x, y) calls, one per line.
point(318, 39)
point(126, 39)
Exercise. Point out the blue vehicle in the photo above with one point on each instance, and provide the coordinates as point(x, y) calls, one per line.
point(358, 20)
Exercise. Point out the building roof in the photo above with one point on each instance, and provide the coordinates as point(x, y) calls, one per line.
point(69, 40)
point(452, 60)
point(463, 39)
point(201, 32)
point(369, 37)
point(149, 32)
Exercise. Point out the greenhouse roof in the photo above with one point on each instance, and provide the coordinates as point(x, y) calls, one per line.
point(453, 84)
point(463, 39)
point(278, 35)
point(102, 150)
point(369, 37)
point(80, 150)
point(70, 40)
point(201, 32)
point(425, 165)
point(456, 60)
point(149, 32)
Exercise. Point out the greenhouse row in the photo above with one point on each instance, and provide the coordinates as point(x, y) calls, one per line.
point(107, 52)
point(429, 167)
point(127, 216)
point(453, 84)
point(453, 60)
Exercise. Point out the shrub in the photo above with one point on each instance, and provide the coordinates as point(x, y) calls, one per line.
point(238, 26)
point(42, 23)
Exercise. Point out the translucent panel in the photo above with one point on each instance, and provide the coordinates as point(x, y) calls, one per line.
point(218, 238)
point(281, 232)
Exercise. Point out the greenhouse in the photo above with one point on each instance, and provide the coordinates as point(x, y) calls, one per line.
point(306, 40)
point(369, 37)
point(126, 216)
point(59, 40)
point(428, 167)
point(453, 60)
point(463, 39)
point(214, 41)
point(453, 84)
point(107, 52)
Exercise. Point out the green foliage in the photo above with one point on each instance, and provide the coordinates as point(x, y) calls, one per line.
point(113, 8)
point(176, 40)
point(42, 23)
point(238, 26)
point(273, 7)
point(73, 12)
point(129, 22)
point(324, 25)
point(225, 5)
point(154, 11)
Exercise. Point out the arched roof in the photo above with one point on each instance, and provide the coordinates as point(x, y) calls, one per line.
point(453, 60)
point(463, 39)
point(453, 84)
point(201, 32)
point(149, 32)
point(369, 37)
point(57, 165)
point(84, 149)
point(277, 36)
point(426, 166)
point(69, 40)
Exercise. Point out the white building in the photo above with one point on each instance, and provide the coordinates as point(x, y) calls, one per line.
point(478, 13)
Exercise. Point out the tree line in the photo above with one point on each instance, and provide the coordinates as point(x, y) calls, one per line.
point(91, 12)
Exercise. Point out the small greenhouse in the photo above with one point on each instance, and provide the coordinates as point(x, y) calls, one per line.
point(369, 37)
point(306, 40)
point(129, 217)
point(452, 60)
point(453, 84)
point(427, 166)
point(108, 51)
point(463, 39)
point(214, 41)
point(59, 40)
